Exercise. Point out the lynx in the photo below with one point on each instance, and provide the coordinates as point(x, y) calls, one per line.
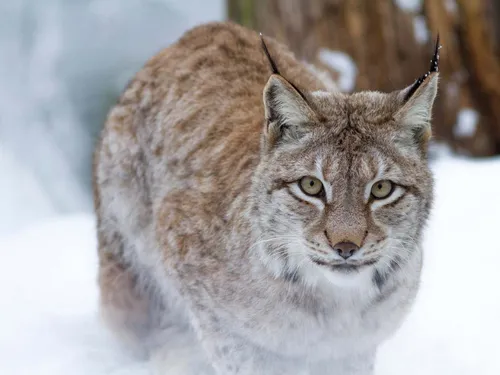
point(278, 222)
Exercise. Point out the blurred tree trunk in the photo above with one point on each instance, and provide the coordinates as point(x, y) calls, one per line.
point(391, 46)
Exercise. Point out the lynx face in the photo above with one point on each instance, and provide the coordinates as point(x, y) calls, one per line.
point(343, 189)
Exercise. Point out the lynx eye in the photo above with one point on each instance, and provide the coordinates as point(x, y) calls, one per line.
point(382, 189)
point(311, 185)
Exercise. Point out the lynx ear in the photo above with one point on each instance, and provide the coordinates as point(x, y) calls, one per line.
point(286, 110)
point(416, 102)
point(416, 112)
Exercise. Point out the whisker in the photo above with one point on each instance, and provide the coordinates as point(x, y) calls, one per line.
point(279, 238)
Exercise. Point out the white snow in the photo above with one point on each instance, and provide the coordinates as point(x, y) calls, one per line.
point(62, 65)
point(466, 125)
point(420, 29)
point(49, 324)
point(48, 320)
point(22, 199)
point(323, 75)
point(453, 90)
point(412, 6)
point(343, 64)
point(451, 6)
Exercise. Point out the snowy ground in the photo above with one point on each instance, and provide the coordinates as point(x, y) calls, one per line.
point(48, 323)
point(63, 63)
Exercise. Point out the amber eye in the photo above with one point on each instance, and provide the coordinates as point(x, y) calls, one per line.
point(382, 189)
point(311, 185)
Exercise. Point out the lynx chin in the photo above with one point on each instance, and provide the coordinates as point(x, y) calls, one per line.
point(279, 224)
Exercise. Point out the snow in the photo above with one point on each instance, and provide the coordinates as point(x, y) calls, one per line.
point(466, 125)
point(341, 63)
point(63, 64)
point(49, 324)
point(323, 75)
point(411, 6)
point(22, 200)
point(420, 29)
point(439, 149)
point(451, 6)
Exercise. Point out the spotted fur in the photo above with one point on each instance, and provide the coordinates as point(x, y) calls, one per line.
point(202, 224)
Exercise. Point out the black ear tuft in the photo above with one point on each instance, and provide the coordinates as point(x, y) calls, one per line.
point(435, 59)
point(274, 68)
point(434, 68)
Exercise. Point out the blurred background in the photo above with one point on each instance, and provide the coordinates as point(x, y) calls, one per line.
point(63, 63)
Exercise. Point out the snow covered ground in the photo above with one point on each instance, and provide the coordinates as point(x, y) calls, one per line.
point(49, 325)
point(63, 63)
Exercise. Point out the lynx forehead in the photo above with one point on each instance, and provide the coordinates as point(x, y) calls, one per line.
point(280, 221)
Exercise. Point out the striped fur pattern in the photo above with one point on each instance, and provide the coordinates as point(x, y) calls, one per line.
point(204, 226)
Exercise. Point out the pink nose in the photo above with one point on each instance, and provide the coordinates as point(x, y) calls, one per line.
point(346, 249)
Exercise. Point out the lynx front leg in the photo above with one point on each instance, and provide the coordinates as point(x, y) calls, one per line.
point(181, 354)
point(230, 354)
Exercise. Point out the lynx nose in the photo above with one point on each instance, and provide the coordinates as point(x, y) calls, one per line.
point(346, 249)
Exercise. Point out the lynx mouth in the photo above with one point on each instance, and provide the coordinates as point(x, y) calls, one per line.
point(344, 267)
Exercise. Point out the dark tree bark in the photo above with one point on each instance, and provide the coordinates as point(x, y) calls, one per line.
point(390, 51)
